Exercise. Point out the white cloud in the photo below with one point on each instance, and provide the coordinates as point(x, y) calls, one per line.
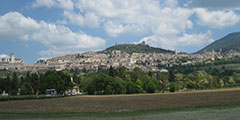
point(195, 40)
point(59, 39)
point(64, 4)
point(90, 19)
point(3, 56)
point(164, 20)
point(182, 43)
point(123, 17)
point(216, 19)
point(116, 29)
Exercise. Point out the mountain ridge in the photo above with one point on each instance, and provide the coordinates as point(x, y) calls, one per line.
point(229, 42)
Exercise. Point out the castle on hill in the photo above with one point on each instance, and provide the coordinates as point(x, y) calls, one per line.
point(12, 59)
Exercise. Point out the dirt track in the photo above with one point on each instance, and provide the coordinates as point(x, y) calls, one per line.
point(123, 102)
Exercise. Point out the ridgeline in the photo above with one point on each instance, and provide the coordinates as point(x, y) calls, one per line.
point(135, 48)
point(225, 44)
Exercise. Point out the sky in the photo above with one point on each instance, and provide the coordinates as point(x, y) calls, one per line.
point(35, 29)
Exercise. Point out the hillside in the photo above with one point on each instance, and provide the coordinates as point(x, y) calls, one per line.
point(135, 48)
point(229, 42)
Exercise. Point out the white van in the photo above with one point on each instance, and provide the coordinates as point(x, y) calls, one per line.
point(50, 93)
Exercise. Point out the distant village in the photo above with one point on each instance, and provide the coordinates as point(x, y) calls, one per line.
point(96, 60)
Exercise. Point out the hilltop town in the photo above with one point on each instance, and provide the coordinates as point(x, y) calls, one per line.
point(100, 60)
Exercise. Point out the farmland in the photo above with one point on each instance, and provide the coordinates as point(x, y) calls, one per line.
point(124, 102)
point(200, 113)
point(220, 104)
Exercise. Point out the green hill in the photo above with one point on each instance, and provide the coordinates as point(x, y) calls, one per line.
point(135, 48)
point(227, 43)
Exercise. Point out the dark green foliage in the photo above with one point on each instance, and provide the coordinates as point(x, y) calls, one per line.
point(190, 85)
point(172, 87)
point(122, 72)
point(121, 80)
point(130, 88)
point(22, 97)
point(88, 86)
point(15, 84)
point(35, 83)
point(56, 80)
point(171, 77)
point(139, 86)
point(27, 88)
point(108, 90)
point(101, 81)
point(136, 48)
point(151, 86)
point(118, 85)
point(112, 72)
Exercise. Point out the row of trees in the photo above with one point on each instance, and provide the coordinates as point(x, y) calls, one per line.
point(116, 81)
point(119, 81)
point(35, 83)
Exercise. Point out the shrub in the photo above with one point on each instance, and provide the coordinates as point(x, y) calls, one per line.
point(151, 86)
point(172, 87)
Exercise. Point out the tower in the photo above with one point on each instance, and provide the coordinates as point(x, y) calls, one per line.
point(12, 57)
point(176, 52)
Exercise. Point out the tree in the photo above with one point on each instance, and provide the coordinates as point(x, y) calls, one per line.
point(66, 80)
point(172, 87)
point(15, 84)
point(2, 85)
point(139, 85)
point(8, 84)
point(122, 72)
point(236, 77)
point(56, 80)
point(190, 84)
point(137, 73)
point(5, 84)
point(231, 81)
point(88, 86)
point(100, 82)
point(131, 87)
point(35, 83)
point(76, 79)
point(112, 72)
point(162, 78)
point(171, 76)
point(144, 79)
point(118, 85)
point(27, 88)
point(108, 90)
point(151, 86)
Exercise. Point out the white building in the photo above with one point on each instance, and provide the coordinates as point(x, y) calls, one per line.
point(12, 59)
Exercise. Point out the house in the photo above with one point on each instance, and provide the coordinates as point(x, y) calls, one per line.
point(75, 90)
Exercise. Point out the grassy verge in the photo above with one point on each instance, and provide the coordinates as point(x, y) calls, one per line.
point(210, 111)
point(23, 97)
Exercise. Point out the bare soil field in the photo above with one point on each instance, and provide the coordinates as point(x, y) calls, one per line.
point(123, 102)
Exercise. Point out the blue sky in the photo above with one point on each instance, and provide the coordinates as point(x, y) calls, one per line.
point(34, 29)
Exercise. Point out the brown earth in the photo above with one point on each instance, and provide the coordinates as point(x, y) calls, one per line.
point(123, 102)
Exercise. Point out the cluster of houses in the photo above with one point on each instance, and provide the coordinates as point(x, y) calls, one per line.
point(144, 61)
point(97, 60)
